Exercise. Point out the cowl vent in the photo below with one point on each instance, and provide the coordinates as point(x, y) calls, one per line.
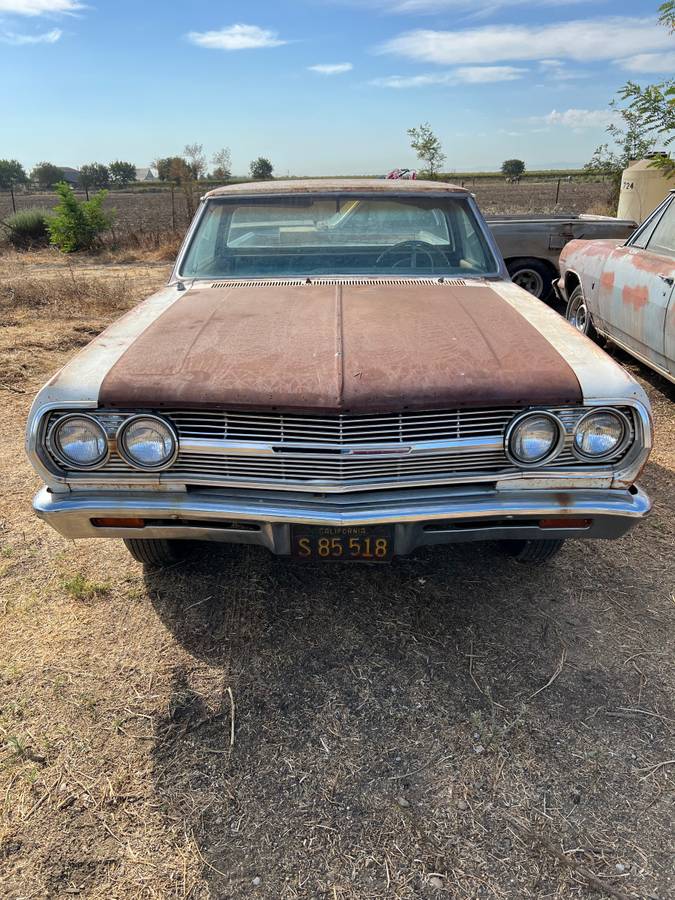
point(366, 282)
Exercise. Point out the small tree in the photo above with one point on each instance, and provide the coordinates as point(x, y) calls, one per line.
point(182, 174)
point(94, 175)
point(46, 174)
point(632, 141)
point(653, 107)
point(78, 224)
point(12, 173)
point(513, 168)
point(194, 156)
point(261, 169)
point(222, 163)
point(121, 173)
point(428, 148)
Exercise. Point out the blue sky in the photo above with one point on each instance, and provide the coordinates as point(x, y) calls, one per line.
point(320, 86)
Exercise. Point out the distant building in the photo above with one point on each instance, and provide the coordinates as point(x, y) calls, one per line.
point(72, 176)
point(145, 175)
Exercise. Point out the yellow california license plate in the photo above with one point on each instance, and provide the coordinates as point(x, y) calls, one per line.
point(366, 543)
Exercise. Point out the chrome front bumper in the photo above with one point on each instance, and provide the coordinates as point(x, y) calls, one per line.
point(437, 516)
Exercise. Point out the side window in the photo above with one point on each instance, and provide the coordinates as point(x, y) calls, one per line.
point(662, 239)
point(642, 238)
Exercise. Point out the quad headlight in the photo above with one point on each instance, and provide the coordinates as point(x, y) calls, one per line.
point(534, 438)
point(79, 441)
point(147, 442)
point(600, 433)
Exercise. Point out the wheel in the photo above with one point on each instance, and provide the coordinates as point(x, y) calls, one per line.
point(577, 313)
point(533, 552)
point(157, 552)
point(532, 275)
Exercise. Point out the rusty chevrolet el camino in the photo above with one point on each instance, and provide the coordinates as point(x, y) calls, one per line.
point(340, 370)
point(624, 290)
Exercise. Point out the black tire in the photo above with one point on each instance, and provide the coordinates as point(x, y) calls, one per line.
point(578, 314)
point(533, 275)
point(532, 553)
point(158, 552)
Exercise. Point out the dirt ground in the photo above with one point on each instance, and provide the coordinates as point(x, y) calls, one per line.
point(452, 725)
point(150, 211)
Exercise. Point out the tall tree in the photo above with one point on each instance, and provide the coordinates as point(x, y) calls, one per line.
point(667, 14)
point(650, 111)
point(167, 165)
point(513, 168)
point(94, 175)
point(46, 174)
point(632, 140)
point(428, 148)
point(194, 155)
point(12, 173)
point(122, 173)
point(222, 163)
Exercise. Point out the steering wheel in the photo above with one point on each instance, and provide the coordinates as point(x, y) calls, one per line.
point(415, 249)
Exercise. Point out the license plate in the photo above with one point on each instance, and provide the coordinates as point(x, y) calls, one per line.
point(366, 543)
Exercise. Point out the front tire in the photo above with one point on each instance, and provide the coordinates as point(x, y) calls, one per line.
point(157, 552)
point(532, 553)
point(578, 314)
point(533, 275)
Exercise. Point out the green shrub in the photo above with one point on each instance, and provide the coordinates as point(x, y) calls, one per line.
point(28, 228)
point(78, 224)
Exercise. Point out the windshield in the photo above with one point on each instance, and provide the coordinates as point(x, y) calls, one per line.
point(306, 236)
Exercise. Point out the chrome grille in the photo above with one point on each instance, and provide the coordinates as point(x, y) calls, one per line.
point(339, 452)
point(340, 430)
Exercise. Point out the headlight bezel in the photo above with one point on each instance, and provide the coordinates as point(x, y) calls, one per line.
point(129, 459)
point(54, 445)
point(555, 449)
point(622, 444)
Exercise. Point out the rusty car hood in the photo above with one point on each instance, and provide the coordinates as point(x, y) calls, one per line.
point(341, 347)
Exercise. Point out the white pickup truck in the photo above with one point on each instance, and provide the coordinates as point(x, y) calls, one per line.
point(531, 245)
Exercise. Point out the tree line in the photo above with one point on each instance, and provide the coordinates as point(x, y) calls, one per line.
point(120, 173)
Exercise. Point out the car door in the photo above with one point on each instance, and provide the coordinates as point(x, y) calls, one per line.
point(636, 287)
point(670, 337)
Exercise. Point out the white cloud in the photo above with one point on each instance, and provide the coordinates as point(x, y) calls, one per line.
point(39, 7)
point(478, 7)
point(236, 37)
point(650, 62)
point(410, 81)
point(331, 68)
point(485, 74)
point(557, 70)
point(596, 39)
point(462, 75)
point(580, 118)
point(19, 40)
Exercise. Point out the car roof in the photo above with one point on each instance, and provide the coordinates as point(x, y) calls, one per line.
point(337, 186)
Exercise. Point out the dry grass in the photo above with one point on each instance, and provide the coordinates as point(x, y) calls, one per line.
point(398, 731)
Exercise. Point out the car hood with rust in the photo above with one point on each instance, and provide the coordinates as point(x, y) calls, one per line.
point(340, 347)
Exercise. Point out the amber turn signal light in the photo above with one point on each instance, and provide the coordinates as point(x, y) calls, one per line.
point(565, 523)
point(118, 523)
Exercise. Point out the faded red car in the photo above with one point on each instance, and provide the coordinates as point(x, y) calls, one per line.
point(340, 370)
point(625, 291)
